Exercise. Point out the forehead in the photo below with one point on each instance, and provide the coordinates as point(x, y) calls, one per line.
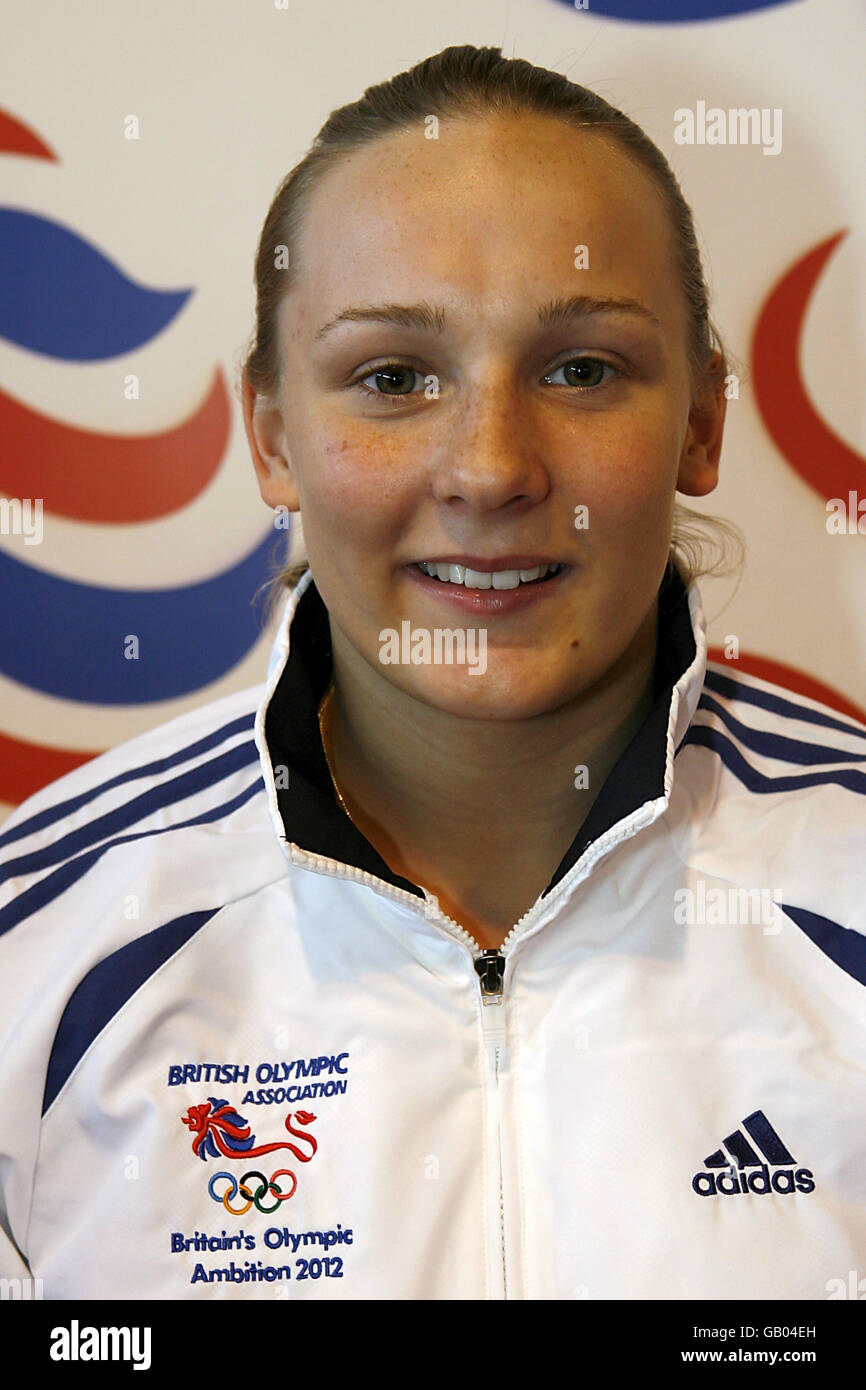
point(492, 209)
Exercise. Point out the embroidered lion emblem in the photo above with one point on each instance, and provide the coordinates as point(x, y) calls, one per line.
point(217, 1128)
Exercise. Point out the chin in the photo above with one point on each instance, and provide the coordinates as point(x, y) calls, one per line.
point(495, 696)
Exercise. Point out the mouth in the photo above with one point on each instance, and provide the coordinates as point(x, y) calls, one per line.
point(467, 577)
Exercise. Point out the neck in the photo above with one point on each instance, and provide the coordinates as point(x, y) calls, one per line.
point(412, 775)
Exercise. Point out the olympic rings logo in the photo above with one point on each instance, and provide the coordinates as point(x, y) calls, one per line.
point(252, 1197)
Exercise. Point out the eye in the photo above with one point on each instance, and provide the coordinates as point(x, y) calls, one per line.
point(392, 379)
point(584, 373)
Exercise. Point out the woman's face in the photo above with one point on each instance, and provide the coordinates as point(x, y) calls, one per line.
point(517, 401)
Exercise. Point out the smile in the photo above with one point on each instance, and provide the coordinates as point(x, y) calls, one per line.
point(486, 579)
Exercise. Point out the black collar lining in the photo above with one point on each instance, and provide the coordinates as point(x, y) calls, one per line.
point(311, 814)
point(639, 774)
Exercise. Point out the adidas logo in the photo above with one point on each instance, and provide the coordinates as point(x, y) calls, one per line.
point(736, 1179)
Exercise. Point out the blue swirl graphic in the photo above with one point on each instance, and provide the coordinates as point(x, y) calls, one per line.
point(64, 298)
point(673, 11)
point(68, 639)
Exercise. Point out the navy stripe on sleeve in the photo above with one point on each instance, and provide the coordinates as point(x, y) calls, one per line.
point(64, 808)
point(705, 737)
point(157, 798)
point(842, 944)
point(737, 690)
point(789, 750)
point(53, 885)
point(104, 991)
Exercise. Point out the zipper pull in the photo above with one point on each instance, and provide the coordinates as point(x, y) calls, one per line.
point(490, 966)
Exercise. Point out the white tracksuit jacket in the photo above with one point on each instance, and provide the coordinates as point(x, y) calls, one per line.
point(241, 1058)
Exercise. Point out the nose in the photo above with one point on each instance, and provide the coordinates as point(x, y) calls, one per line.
point(489, 454)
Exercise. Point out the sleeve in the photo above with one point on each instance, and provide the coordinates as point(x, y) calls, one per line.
point(35, 969)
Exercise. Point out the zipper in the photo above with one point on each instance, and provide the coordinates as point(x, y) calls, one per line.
point(490, 967)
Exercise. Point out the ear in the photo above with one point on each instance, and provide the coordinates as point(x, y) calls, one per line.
point(699, 462)
point(266, 436)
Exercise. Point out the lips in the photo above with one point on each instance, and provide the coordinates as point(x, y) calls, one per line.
point(514, 560)
point(475, 593)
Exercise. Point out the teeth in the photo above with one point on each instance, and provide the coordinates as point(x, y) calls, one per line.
point(478, 579)
point(484, 579)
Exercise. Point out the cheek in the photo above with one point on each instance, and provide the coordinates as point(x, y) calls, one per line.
point(358, 488)
point(626, 476)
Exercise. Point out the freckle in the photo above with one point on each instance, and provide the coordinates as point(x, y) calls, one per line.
point(576, 642)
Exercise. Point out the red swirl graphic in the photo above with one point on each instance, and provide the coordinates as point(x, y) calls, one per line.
point(813, 449)
point(17, 138)
point(112, 477)
point(26, 767)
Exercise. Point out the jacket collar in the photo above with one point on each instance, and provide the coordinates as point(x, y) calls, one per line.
point(304, 808)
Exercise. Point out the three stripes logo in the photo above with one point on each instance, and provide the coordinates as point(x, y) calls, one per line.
point(743, 1155)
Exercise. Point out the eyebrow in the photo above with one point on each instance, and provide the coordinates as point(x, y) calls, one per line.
point(433, 320)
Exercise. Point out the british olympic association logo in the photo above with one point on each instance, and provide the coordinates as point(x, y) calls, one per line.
point(218, 1130)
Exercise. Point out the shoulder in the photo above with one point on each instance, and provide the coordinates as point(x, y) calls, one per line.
point(192, 739)
point(774, 742)
point(119, 810)
point(771, 792)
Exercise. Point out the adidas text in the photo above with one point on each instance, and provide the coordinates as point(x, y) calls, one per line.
point(759, 1180)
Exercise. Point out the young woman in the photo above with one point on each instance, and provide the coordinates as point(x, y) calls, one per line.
point(520, 955)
